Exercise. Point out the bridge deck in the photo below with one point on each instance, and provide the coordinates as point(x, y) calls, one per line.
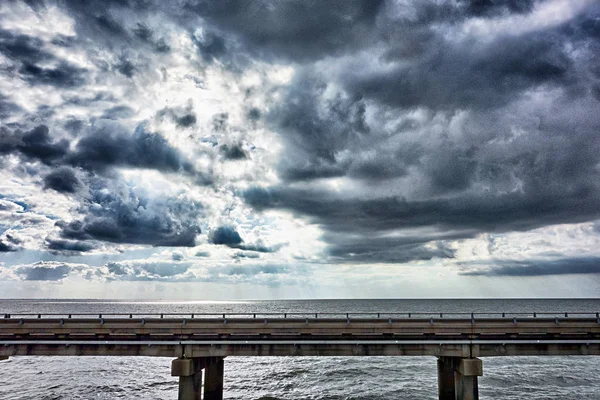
point(460, 335)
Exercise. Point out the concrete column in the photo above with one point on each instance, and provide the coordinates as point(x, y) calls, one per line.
point(189, 371)
point(457, 378)
point(465, 378)
point(445, 370)
point(213, 376)
point(190, 387)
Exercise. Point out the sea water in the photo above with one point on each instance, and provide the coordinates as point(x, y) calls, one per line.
point(318, 378)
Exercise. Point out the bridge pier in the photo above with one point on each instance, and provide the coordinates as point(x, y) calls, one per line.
point(213, 375)
point(189, 371)
point(457, 378)
point(445, 370)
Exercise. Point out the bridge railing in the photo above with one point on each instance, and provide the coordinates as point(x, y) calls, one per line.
point(308, 315)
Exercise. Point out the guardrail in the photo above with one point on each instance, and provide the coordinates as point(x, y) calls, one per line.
point(304, 315)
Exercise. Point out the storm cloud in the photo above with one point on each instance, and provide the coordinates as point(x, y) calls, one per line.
point(566, 266)
point(358, 132)
point(233, 152)
point(295, 30)
point(131, 218)
point(62, 180)
point(35, 144)
point(110, 147)
point(228, 236)
point(68, 246)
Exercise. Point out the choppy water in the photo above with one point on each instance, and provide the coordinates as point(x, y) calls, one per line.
point(322, 378)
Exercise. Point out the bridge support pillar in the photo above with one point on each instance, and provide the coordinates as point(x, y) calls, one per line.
point(457, 378)
point(465, 378)
point(189, 371)
point(445, 370)
point(213, 375)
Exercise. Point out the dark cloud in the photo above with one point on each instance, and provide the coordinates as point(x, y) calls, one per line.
point(344, 248)
point(108, 25)
point(460, 217)
point(244, 254)
point(135, 219)
point(261, 198)
point(185, 120)
point(210, 45)
point(74, 126)
point(492, 213)
point(440, 135)
point(317, 130)
point(12, 239)
point(254, 114)
point(6, 247)
point(64, 41)
point(259, 247)
point(37, 143)
point(495, 7)
point(226, 235)
point(184, 117)
point(564, 266)
point(142, 32)
point(63, 75)
point(466, 76)
point(436, 133)
point(294, 29)
point(118, 217)
point(88, 100)
point(7, 107)
point(233, 152)
point(126, 67)
point(19, 47)
point(220, 122)
point(107, 146)
point(36, 4)
point(110, 146)
point(68, 246)
point(43, 272)
point(146, 35)
point(101, 20)
point(62, 180)
point(34, 144)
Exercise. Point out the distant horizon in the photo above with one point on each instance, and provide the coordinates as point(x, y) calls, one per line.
point(296, 299)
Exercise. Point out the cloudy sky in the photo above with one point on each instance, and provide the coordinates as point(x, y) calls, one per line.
point(199, 149)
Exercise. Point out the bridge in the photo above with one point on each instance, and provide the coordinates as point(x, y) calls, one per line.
point(199, 343)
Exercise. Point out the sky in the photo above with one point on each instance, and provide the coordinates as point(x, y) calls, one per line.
point(199, 149)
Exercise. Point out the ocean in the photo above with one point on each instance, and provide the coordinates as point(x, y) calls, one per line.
point(290, 378)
